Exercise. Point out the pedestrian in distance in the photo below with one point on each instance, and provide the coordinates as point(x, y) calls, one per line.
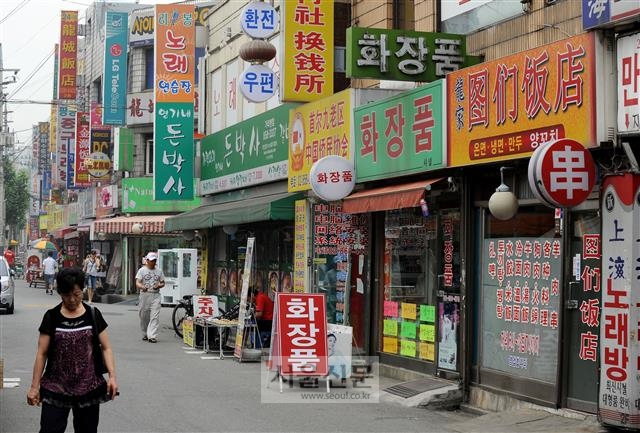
point(149, 281)
point(73, 351)
point(90, 268)
point(50, 268)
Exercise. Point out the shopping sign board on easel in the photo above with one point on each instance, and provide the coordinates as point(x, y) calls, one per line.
point(246, 277)
point(301, 335)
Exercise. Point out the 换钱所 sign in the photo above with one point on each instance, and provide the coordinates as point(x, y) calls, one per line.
point(251, 152)
point(401, 135)
point(404, 55)
point(504, 109)
point(115, 69)
point(316, 130)
point(306, 67)
point(302, 336)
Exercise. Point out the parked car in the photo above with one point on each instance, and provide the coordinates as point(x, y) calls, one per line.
point(7, 287)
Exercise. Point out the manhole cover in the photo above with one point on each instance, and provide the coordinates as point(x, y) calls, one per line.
point(415, 387)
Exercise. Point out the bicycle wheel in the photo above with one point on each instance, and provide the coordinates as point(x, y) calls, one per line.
point(179, 314)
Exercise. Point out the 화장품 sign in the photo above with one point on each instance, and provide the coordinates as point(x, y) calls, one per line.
point(404, 55)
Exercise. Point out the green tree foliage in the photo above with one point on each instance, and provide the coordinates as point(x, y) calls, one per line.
point(16, 192)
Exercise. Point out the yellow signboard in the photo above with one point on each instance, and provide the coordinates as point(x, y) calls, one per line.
point(504, 109)
point(300, 247)
point(306, 71)
point(316, 130)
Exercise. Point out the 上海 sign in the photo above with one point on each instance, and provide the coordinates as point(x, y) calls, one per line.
point(401, 135)
point(306, 71)
point(506, 108)
point(562, 173)
point(332, 177)
point(618, 402)
point(598, 13)
point(259, 20)
point(628, 81)
point(404, 55)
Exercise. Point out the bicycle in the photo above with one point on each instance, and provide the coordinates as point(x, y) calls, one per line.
point(184, 309)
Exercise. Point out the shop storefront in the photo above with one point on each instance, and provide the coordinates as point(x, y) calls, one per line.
point(532, 302)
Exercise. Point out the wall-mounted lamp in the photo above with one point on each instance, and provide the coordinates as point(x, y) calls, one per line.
point(137, 228)
point(503, 204)
point(526, 6)
point(189, 235)
point(230, 229)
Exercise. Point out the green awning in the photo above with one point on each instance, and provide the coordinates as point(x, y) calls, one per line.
point(266, 208)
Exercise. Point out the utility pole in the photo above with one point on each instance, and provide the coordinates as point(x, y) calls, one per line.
point(6, 138)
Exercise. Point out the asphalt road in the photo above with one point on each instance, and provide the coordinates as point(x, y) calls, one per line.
point(165, 389)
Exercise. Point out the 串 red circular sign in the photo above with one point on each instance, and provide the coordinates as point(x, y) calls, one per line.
point(562, 173)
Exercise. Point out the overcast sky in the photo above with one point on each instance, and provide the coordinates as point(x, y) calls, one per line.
point(29, 30)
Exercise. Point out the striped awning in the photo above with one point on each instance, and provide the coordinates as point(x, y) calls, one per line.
point(123, 225)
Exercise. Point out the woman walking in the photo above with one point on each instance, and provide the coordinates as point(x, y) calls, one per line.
point(73, 352)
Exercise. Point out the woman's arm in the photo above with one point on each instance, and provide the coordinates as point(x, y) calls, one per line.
point(112, 386)
point(33, 395)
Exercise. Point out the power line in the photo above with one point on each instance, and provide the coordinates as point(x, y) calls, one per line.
point(16, 9)
point(38, 68)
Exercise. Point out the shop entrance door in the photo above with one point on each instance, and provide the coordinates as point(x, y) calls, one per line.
point(582, 313)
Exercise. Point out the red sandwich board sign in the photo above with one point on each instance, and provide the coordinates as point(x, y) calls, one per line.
point(562, 173)
point(302, 334)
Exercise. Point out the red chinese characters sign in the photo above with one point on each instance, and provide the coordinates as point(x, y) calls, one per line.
point(505, 108)
point(302, 334)
point(83, 149)
point(68, 54)
point(307, 56)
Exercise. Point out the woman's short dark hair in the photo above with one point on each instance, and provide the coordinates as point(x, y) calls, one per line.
point(68, 279)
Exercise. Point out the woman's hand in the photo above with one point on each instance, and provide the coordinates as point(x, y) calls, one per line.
point(112, 388)
point(33, 397)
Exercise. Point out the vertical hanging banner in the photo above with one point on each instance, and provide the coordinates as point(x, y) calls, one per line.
point(619, 391)
point(306, 72)
point(68, 54)
point(100, 150)
point(174, 96)
point(56, 64)
point(83, 149)
point(65, 137)
point(115, 69)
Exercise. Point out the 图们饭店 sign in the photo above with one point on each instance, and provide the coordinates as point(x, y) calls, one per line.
point(504, 109)
point(404, 55)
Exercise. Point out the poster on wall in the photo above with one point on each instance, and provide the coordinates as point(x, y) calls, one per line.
point(521, 281)
point(449, 320)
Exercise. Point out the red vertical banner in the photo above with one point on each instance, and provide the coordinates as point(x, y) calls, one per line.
point(83, 149)
point(302, 336)
point(68, 54)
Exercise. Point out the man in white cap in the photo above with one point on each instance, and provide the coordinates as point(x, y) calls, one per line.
point(149, 280)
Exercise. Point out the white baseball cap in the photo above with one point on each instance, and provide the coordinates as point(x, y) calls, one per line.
point(151, 256)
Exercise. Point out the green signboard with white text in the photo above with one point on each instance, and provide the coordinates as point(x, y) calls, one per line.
point(137, 197)
point(251, 152)
point(401, 135)
point(404, 55)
